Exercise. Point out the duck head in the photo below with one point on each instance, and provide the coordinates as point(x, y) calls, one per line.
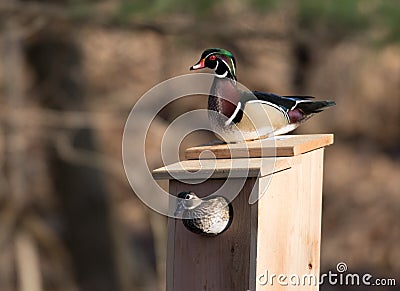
point(187, 201)
point(220, 60)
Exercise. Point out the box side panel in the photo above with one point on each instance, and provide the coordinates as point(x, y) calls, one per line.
point(203, 263)
point(289, 226)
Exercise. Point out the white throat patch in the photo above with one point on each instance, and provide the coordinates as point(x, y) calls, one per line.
point(220, 76)
point(223, 75)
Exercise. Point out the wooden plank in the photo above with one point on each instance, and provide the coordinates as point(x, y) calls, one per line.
point(222, 168)
point(279, 146)
point(170, 265)
point(289, 224)
point(211, 263)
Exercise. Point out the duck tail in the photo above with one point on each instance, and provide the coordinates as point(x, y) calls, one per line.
point(309, 107)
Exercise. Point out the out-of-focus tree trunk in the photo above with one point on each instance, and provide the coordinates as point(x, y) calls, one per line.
point(56, 62)
point(17, 247)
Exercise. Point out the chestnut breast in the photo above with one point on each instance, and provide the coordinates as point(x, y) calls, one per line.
point(224, 96)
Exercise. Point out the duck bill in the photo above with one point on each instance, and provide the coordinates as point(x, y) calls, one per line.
point(199, 65)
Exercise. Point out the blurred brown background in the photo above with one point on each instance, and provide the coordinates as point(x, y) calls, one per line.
point(71, 71)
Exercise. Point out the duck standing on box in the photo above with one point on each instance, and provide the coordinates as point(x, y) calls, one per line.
point(237, 115)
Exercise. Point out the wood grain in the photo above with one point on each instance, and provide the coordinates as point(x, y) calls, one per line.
point(200, 263)
point(279, 146)
point(289, 223)
point(222, 168)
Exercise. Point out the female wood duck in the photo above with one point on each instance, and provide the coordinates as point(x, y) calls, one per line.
point(208, 216)
point(237, 115)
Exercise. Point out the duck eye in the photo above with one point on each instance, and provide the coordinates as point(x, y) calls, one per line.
point(212, 58)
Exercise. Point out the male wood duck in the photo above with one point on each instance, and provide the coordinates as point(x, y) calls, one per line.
point(208, 216)
point(237, 115)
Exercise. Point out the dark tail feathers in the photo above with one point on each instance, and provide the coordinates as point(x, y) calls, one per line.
point(309, 107)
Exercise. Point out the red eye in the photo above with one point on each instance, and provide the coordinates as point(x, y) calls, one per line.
point(212, 58)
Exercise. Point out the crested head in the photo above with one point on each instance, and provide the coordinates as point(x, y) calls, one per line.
point(220, 60)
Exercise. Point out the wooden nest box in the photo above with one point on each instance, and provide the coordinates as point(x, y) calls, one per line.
point(279, 234)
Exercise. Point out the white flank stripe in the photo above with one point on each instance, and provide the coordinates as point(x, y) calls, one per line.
point(229, 121)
